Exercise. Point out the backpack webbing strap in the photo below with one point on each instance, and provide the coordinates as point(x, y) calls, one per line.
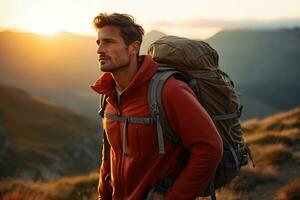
point(228, 116)
point(156, 108)
point(137, 120)
point(212, 190)
point(106, 146)
point(235, 157)
point(226, 76)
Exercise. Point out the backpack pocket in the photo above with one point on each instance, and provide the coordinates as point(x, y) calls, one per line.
point(227, 170)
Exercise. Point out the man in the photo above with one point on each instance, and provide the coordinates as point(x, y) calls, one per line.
point(135, 166)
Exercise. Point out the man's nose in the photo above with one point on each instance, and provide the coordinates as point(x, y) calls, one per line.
point(100, 49)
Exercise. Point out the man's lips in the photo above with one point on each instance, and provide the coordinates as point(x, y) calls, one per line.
point(103, 59)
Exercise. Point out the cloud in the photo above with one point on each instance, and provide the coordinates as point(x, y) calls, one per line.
point(230, 24)
point(206, 28)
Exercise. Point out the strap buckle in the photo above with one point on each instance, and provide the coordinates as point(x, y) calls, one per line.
point(155, 109)
point(101, 113)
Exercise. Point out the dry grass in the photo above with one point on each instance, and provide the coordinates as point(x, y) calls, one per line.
point(251, 125)
point(278, 122)
point(224, 194)
point(282, 121)
point(23, 193)
point(289, 137)
point(70, 188)
point(277, 155)
point(291, 191)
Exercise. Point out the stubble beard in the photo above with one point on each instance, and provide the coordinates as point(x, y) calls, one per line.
point(114, 69)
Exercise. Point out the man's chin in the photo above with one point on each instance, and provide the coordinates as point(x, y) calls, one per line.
point(104, 68)
point(112, 68)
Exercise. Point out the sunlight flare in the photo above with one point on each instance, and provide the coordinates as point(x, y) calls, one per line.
point(45, 30)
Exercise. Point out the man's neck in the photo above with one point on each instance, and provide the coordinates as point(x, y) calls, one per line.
point(124, 76)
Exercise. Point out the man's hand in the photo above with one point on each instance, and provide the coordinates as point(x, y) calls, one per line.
point(157, 196)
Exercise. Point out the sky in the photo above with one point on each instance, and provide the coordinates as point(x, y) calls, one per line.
point(190, 18)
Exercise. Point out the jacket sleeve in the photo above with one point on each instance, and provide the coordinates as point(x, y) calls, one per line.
point(104, 187)
point(191, 122)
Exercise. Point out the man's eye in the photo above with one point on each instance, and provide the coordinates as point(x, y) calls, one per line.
point(104, 42)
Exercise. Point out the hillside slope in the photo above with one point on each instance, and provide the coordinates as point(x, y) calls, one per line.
point(60, 67)
point(275, 145)
point(35, 132)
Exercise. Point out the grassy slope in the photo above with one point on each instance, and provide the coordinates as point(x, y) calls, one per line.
point(73, 188)
point(275, 146)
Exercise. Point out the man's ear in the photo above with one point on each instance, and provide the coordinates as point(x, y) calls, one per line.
point(134, 48)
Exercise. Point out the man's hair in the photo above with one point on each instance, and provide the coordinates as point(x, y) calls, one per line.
point(130, 30)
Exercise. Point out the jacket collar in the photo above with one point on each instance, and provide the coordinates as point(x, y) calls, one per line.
point(106, 84)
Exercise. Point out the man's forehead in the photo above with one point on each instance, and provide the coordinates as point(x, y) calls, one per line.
point(108, 32)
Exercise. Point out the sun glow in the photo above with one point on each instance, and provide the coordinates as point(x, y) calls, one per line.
point(45, 30)
point(197, 19)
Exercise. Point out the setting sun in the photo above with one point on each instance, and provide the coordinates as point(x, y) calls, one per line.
point(46, 29)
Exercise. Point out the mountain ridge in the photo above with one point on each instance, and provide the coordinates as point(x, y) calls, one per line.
point(262, 63)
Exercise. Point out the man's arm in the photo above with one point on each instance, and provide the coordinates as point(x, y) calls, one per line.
point(191, 122)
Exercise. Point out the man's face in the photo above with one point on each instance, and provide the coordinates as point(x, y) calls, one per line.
point(113, 53)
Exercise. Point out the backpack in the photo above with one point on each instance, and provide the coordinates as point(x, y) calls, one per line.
point(196, 63)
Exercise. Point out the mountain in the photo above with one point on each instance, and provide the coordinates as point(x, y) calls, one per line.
point(59, 68)
point(40, 139)
point(264, 64)
point(275, 145)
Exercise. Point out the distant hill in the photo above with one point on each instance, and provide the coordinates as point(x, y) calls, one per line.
point(41, 139)
point(59, 67)
point(265, 66)
point(263, 63)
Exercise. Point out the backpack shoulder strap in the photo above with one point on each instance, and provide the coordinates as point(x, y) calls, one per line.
point(156, 107)
point(102, 104)
point(106, 145)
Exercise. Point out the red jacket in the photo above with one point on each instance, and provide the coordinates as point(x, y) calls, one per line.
point(144, 168)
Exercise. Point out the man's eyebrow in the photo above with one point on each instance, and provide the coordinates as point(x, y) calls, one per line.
point(106, 40)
